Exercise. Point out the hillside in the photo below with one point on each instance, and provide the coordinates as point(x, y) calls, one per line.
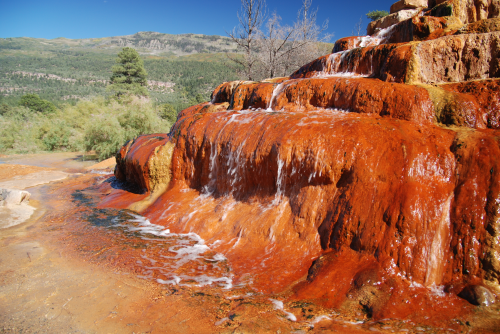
point(180, 68)
point(144, 42)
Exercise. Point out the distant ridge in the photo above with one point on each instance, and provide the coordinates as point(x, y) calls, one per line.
point(182, 69)
point(146, 42)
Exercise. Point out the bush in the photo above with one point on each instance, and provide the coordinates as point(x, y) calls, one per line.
point(4, 108)
point(98, 124)
point(377, 14)
point(167, 112)
point(18, 133)
point(120, 122)
point(35, 103)
point(10, 131)
point(55, 135)
point(139, 117)
point(105, 136)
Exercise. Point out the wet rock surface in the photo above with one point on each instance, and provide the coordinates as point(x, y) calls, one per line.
point(15, 205)
point(366, 182)
point(390, 20)
point(363, 191)
point(477, 295)
point(80, 268)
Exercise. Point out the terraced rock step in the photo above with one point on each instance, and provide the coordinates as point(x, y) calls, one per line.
point(368, 178)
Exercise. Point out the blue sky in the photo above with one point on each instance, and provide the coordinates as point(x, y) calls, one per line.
point(102, 18)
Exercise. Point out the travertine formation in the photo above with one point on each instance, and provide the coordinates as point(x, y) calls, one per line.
point(377, 163)
point(13, 197)
point(408, 4)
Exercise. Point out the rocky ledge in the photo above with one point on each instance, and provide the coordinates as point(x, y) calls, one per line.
point(369, 177)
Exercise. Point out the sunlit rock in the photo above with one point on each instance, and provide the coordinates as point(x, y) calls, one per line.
point(467, 11)
point(478, 295)
point(14, 207)
point(454, 58)
point(151, 168)
point(368, 178)
point(481, 27)
point(458, 58)
point(390, 20)
point(13, 197)
point(408, 4)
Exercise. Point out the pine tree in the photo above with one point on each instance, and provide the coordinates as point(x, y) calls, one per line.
point(377, 14)
point(129, 75)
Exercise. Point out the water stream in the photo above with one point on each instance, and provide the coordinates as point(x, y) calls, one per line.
point(168, 258)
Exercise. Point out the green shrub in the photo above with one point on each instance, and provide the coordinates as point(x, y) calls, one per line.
point(167, 112)
point(9, 134)
point(35, 103)
point(97, 124)
point(20, 114)
point(104, 135)
point(55, 135)
point(139, 117)
point(377, 14)
point(119, 122)
point(4, 108)
point(17, 131)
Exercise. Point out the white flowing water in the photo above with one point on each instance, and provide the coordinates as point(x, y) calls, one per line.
point(380, 37)
point(278, 305)
point(334, 67)
point(339, 64)
point(278, 89)
point(184, 258)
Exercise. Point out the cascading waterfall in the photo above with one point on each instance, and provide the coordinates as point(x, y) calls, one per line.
point(345, 180)
point(278, 89)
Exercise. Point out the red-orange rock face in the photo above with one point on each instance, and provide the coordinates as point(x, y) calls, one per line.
point(473, 104)
point(295, 184)
point(360, 95)
point(135, 167)
point(344, 183)
point(461, 58)
point(388, 62)
point(420, 28)
point(346, 43)
point(349, 43)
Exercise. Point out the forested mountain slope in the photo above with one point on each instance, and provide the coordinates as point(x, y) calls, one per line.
point(181, 68)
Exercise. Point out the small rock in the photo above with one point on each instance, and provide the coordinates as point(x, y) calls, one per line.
point(13, 196)
point(408, 4)
point(390, 20)
point(477, 295)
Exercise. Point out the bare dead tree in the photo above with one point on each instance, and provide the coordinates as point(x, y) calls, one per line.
point(310, 38)
point(306, 22)
point(274, 47)
point(280, 49)
point(358, 27)
point(250, 17)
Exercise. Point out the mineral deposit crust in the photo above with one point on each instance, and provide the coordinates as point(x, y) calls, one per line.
point(370, 173)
